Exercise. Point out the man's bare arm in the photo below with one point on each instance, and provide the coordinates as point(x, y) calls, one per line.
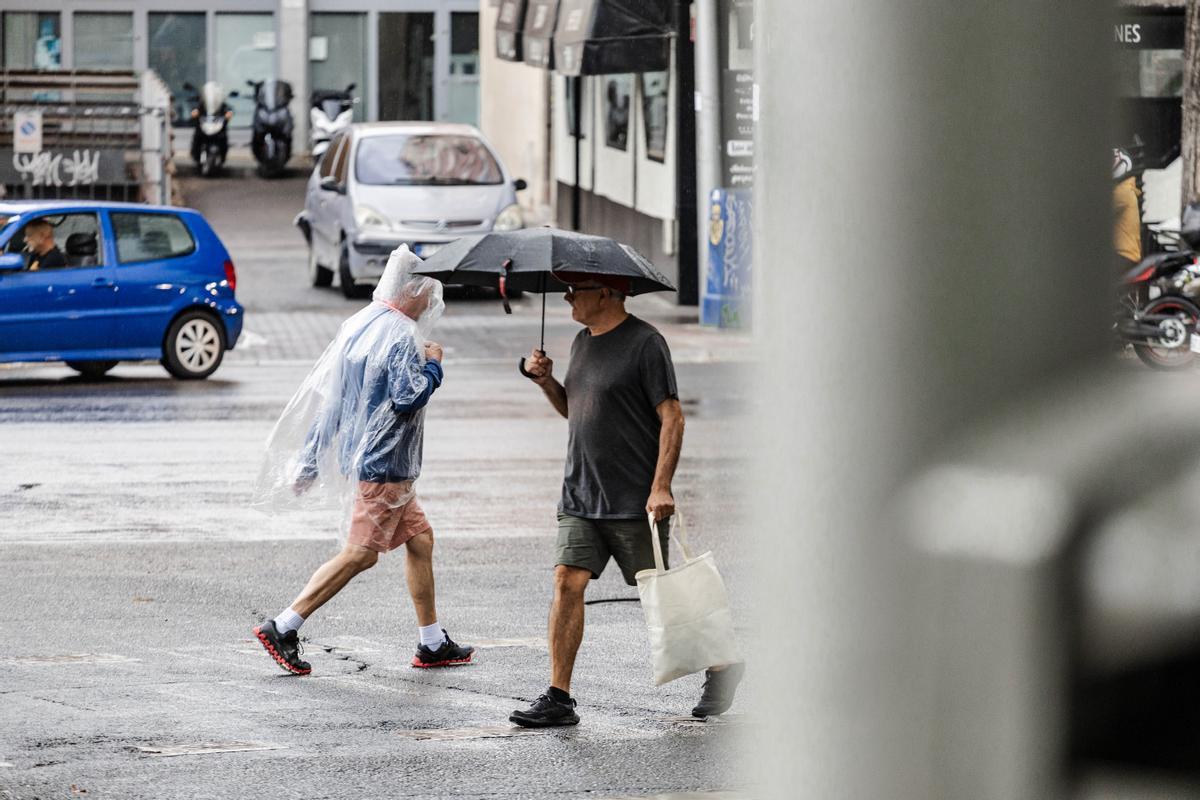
point(670, 441)
point(542, 370)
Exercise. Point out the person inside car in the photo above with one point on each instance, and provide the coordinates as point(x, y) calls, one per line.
point(39, 242)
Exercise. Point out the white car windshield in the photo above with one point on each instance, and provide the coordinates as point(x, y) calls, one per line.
point(425, 160)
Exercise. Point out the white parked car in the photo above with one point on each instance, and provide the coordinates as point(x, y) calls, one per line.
point(382, 184)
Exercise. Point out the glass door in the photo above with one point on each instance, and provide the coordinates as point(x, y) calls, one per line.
point(462, 86)
point(406, 60)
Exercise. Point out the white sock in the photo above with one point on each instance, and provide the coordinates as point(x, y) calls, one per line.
point(432, 636)
point(288, 621)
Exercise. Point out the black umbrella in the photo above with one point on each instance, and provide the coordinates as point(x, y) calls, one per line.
point(540, 260)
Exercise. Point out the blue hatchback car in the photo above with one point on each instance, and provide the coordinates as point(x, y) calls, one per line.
point(109, 282)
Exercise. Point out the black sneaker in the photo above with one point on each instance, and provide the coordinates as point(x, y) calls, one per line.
point(448, 655)
point(546, 712)
point(719, 688)
point(284, 649)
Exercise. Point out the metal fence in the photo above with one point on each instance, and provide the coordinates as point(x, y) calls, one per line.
point(105, 135)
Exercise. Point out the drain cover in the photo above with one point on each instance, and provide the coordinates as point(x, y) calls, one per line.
point(482, 732)
point(208, 748)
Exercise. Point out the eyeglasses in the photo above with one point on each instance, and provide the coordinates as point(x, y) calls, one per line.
point(574, 290)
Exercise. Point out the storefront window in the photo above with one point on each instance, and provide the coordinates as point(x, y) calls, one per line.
point(463, 87)
point(617, 89)
point(569, 105)
point(245, 51)
point(103, 40)
point(177, 53)
point(655, 114)
point(1150, 73)
point(337, 55)
point(405, 66)
point(32, 40)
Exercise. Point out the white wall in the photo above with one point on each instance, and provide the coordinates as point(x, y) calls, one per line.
point(564, 144)
point(514, 116)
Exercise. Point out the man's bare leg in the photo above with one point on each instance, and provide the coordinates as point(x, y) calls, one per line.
point(418, 572)
point(566, 623)
point(332, 576)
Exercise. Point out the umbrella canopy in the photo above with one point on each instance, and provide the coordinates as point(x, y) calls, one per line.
point(541, 260)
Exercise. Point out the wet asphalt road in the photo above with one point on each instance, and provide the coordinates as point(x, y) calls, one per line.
point(131, 571)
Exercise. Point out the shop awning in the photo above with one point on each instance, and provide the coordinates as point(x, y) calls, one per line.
point(600, 37)
point(540, 18)
point(509, 28)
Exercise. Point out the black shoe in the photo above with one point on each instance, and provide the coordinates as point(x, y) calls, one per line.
point(546, 712)
point(719, 688)
point(284, 649)
point(448, 655)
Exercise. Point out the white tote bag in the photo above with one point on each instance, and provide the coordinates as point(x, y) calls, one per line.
point(687, 611)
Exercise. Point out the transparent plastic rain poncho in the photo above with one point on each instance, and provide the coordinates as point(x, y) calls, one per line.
point(354, 419)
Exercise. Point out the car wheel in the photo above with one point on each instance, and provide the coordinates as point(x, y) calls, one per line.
point(194, 346)
point(317, 275)
point(91, 369)
point(350, 290)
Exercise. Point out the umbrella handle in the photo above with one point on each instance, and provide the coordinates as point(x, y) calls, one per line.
point(527, 373)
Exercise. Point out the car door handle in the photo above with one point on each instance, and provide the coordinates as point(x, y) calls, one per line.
point(103, 283)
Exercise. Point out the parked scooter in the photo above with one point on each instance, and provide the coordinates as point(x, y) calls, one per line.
point(210, 126)
point(331, 113)
point(271, 140)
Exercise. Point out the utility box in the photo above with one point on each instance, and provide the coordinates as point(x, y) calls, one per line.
point(725, 302)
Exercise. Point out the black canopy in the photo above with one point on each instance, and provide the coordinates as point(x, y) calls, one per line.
point(509, 27)
point(540, 18)
point(599, 37)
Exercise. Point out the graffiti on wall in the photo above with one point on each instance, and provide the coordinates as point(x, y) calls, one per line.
point(78, 168)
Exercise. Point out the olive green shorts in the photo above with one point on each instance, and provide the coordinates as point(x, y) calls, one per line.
point(589, 543)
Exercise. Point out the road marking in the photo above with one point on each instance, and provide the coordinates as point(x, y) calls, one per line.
point(711, 795)
point(77, 658)
point(488, 644)
point(482, 732)
point(208, 748)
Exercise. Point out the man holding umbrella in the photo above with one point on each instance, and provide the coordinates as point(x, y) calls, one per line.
point(625, 434)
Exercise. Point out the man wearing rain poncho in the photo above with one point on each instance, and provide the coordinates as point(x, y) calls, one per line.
point(351, 438)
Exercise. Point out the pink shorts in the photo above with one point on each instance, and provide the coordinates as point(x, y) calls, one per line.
point(378, 523)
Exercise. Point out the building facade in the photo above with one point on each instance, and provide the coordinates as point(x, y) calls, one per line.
point(408, 59)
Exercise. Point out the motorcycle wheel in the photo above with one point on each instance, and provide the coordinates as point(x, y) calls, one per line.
point(1173, 350)
point(205, 164)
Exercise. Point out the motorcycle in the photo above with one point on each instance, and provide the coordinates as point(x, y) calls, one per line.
point(271, 137)
point(331, 113)
point(210, 126)
point(1156, 313)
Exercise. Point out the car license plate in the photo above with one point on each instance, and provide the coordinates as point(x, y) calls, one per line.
point(426, 250)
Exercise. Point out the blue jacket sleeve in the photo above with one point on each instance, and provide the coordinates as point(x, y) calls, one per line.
point(433, 379)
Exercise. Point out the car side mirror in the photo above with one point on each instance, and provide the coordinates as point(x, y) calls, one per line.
point(189, 86)
point(11, 262)
point(350, 88)
point(234, 93)
point(519, 184)
point(330, 184)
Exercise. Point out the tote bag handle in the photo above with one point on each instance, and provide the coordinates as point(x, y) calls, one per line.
point(678, 533)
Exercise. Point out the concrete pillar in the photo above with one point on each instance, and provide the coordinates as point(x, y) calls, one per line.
point(292, 52)
point(930, 220)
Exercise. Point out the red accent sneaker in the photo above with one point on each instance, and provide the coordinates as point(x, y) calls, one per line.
point(285, 649)
point(448, 655)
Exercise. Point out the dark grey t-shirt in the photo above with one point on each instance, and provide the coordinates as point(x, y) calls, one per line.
point(614, 383)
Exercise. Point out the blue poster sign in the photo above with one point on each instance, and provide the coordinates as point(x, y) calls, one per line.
point(725, 301)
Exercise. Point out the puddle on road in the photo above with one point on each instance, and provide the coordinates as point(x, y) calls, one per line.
point(482, 732)
point(75, 658)
point(208, 748)
point(687, 721)
point(5, 764)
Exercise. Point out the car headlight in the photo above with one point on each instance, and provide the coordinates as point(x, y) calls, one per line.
point(510, 219)
point(368, 219)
